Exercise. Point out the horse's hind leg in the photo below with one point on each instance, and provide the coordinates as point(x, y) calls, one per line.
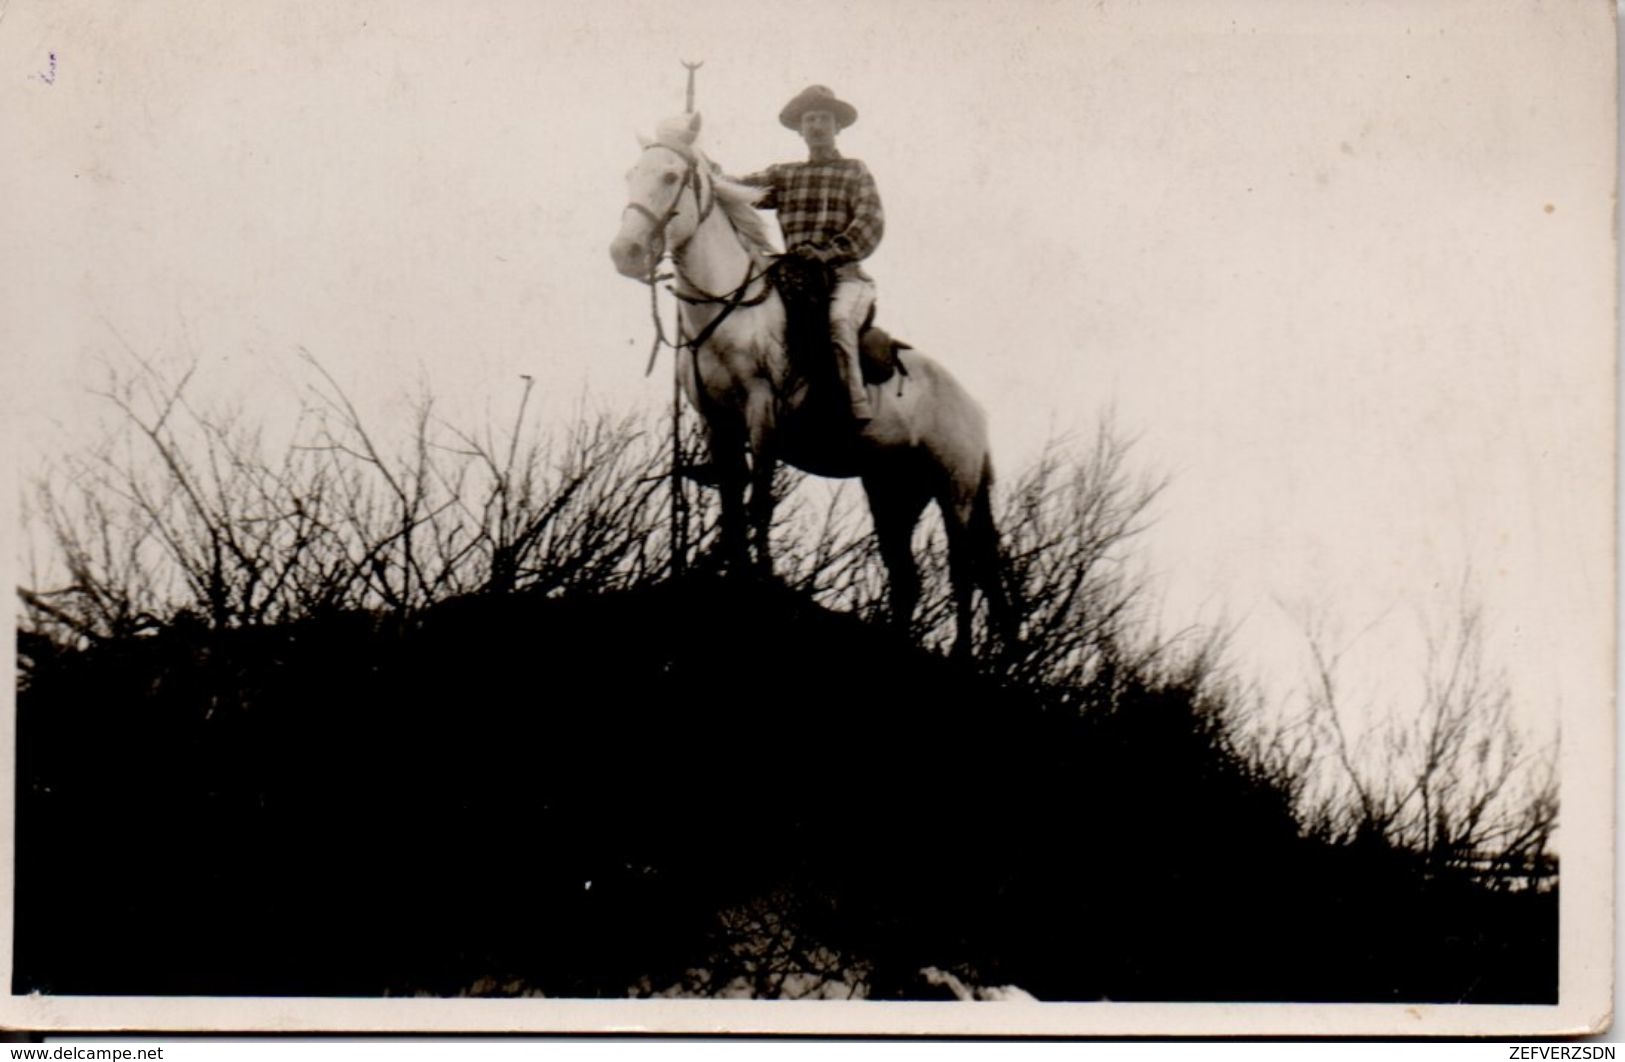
point(973, 560)
point(896, 501)
point(962, 575)
point(983, 536)
point(727, 442)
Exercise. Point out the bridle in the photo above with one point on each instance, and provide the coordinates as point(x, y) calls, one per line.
point(729, 301)
point(691, 179)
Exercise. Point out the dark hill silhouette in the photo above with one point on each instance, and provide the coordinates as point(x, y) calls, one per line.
point(687, 785)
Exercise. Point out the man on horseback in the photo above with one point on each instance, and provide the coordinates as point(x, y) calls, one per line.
point(829, 211)
point(740, 376)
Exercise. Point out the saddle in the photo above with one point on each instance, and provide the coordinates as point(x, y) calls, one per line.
point(805, 287)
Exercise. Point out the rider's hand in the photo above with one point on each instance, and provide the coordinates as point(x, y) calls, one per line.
point(811, 253)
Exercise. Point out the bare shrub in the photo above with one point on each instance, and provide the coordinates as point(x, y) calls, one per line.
point(183, 513)
point(186, 516)
point(176, 512)
point(827, 549)
point(1451, 784)
point(1067, 523)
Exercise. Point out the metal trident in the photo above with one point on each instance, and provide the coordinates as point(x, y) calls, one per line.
point(679, 497)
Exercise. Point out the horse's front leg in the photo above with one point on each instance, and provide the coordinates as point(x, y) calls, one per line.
point(727, 443)
point(763, 464)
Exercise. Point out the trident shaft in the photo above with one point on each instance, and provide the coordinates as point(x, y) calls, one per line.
point(691, 67)
point(679, 497)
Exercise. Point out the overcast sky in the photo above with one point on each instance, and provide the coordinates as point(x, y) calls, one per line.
point(1345, 270)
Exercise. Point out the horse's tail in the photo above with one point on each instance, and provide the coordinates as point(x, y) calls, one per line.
point(984, 533)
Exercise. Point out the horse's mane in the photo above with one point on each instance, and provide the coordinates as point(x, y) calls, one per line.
point(738, 201)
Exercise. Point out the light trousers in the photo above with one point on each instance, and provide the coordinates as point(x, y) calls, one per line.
point(854, 296)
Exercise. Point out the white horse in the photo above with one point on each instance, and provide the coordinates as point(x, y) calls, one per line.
point(928, 438)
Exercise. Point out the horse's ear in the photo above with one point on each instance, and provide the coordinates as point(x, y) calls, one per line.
point(643, 141)
point(690, 132)
point(679, 130)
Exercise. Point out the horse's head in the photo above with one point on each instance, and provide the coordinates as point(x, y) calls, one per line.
point(669, 192)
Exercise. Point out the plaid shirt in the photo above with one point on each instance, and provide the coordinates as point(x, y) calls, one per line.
point(829, 202)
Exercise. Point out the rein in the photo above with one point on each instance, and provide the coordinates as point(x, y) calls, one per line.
point(730, 302)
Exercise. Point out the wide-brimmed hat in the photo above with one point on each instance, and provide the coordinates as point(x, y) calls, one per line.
point(815, 98)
